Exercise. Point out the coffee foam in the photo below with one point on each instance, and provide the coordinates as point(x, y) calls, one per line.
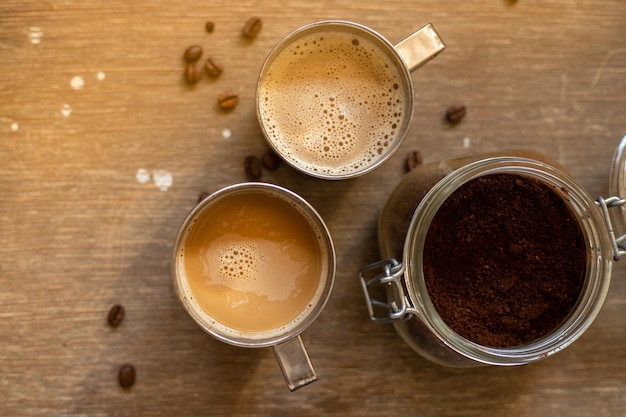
point(332, 103)
point(240, 262)
point(234, 279)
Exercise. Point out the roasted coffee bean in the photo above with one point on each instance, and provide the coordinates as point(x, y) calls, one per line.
point(203, 195)
point(455, 113)
point(212, 68)
point(227, 101)
point(209, 26)
point(127, 376)
point(270, 160)
point(413, 160)
point(193, 53)
point(252, 168)
point(116, 315)
point(192, 73)
point(252, 28)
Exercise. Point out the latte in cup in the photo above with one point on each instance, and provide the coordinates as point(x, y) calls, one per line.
point(333, 102)
point(252, 266)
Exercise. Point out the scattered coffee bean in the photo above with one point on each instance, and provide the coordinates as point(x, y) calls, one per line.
point(203, 195)
point(413, 160)
point(227, 101)
point(270, 160)
point(455, 113)
point(252, 168)
point(127, 375)
point(192, 73)
point(252, 28)
point(116, 315)
point(193, 53)
point(209, 26)
point(213, 69)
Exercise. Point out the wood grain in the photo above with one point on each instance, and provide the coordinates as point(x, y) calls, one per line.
point(79, 232)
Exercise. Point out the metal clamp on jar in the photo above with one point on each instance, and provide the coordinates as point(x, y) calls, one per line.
point(462, 308)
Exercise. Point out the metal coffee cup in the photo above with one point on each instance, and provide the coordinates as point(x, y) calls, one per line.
point(335, 98)
point(216, 261)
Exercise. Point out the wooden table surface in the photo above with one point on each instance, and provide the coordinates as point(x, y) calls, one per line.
point(104, 149)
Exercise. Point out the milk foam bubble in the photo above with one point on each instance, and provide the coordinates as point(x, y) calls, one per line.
point(332, 103)
point(240, 262)
point(245, 265)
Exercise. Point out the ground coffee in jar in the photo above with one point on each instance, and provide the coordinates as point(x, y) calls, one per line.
point(504, 260)
point(498, 259)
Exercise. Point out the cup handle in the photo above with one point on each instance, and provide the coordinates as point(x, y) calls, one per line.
point(295, 363)
point(420, 47)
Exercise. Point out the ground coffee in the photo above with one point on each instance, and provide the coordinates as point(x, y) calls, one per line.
point(504, 260)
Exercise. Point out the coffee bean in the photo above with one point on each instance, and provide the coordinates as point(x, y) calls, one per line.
point(209, 26)
point(455, 113)
point(192, 73)
point(252, 168)
point(227, 101)
point(116, 315)
point(193, 53)
point(127, 375)
point(203, 195)
point(252, 28)
point(413, 160)
point(270, 160)
point(213, 69)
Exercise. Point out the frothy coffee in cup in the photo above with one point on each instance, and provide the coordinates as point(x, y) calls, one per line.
point(333, 102)
point(253, 265)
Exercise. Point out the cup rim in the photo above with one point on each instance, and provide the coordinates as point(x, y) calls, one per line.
point(390, 50)
point(215, 328)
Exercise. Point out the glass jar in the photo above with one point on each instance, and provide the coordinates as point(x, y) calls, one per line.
point(396, 290)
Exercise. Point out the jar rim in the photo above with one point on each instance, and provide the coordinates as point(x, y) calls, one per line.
point(597, 274)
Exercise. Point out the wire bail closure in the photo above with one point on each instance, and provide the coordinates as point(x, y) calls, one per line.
point(618, 243)
point(388, 275)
